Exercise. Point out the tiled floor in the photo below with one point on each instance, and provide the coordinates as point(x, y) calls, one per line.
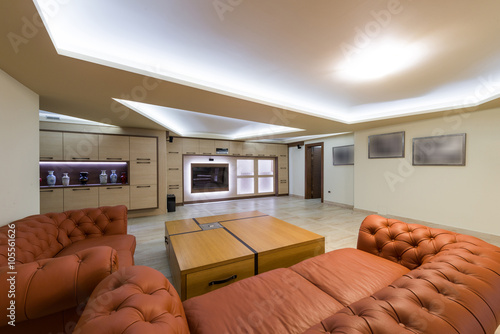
point(339, 225)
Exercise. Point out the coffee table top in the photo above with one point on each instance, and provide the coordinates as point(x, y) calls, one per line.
point(241, 235)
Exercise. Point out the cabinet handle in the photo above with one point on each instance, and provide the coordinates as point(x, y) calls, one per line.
point(173, 169)
point(80, 158)
point(114, 159)
point(47, 158)
point(46, 191)
point(190, 152)
point(173, 188)
point(144, 162)
point(80, 189)
point(209, 153)
point(222, 281)
point(174, 152)
point(143, 186)
point(249, 155)
point(111, 188)
point(143, 159)
point(282, 167)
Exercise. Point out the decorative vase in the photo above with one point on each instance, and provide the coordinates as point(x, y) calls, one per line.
point(123, 177)
point(113, 177)
point(51, 179)
point(65, 179)
point(84, 178)
point(103, 178)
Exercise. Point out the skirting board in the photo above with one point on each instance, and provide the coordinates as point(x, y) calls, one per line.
point(342, 205)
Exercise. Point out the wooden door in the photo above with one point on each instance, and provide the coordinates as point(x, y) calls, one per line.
point(314, 171)
point(316, 166)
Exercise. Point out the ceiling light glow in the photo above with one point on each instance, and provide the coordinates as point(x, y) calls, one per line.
point(380, 61)
point(195, 124)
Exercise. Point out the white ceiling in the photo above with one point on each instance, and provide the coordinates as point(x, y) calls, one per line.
point(294, 54)
point(193, 124)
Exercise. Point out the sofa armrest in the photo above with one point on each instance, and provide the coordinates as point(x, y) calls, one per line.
point(52, 285)
point(133, 300)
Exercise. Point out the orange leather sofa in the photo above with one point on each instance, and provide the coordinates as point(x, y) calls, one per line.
point(59, 260)
point(402, 278)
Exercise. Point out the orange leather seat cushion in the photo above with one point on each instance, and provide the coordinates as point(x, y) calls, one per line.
point(278, 301)
point(123, 244)
point(349, 274)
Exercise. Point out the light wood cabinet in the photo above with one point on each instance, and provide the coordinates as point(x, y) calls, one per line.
point(51, 145)
point(283, 187)
point(282, 151)
point(114, 148)
point(174, 183)
point(143, 197)
point(222, 145)
point(207, 146)
point(143, 172)
point(114, 195)
point(271, 150)
point(51, 200)
point(143, 148)
point(190, 146)
point(142, 152)
point(174, 153)
point(80, 146)
point(236, 148)
point(81, 197)
point(250, 149)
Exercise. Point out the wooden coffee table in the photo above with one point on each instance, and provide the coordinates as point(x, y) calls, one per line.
point(207, 253)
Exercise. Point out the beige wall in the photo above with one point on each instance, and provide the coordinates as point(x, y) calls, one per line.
point(296, 170)
point(19, 150)
point(339, 180)
point(465, 197)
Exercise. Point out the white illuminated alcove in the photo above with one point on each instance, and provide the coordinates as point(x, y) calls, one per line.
point(246, 186)
point(266, 185)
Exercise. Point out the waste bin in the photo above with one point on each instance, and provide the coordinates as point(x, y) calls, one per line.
point(170, 203)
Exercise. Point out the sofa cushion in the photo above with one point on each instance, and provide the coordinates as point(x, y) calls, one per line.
point(278, 301)
point(123, 244)
point(349, 274)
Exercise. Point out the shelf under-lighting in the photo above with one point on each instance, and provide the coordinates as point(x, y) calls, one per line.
point(90, 163)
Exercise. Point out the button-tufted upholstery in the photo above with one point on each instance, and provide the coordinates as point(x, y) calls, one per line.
point(59, 259)
point(403, 278)
point(117, 302)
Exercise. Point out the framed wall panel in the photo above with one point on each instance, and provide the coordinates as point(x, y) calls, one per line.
point(447, 150)
point(387, 145)
point(343, 155)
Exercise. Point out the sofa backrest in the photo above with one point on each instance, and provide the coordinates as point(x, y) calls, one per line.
point(410, 245)
point(453, 286)
point(43, 236)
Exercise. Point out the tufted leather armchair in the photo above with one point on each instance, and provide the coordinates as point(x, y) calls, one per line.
point(403, 278)
point(59, 259)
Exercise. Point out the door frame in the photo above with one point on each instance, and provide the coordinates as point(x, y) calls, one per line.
point(307, 186)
